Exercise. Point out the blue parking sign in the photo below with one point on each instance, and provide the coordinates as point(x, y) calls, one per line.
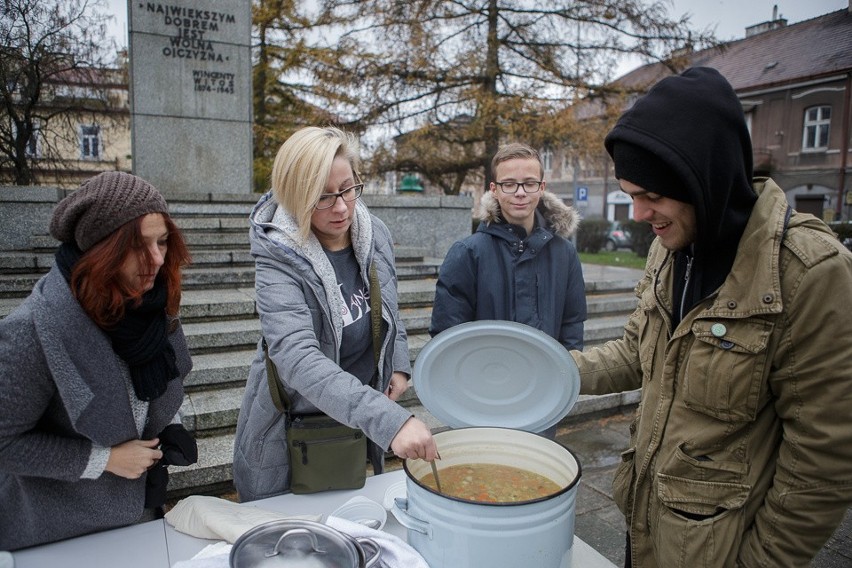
point(581, 194)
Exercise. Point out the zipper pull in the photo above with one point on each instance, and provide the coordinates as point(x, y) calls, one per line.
point(304, 447)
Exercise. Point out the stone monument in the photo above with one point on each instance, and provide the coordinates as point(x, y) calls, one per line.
point(191, 98)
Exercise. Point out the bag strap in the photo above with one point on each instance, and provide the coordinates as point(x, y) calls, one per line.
point(276, 390)
point(376, 312)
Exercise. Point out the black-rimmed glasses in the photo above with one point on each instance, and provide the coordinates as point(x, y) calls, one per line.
point(512, 186)
point(328, 200)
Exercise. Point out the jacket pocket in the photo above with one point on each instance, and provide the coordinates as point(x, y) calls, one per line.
point(623, 481)
point(725, 368)
point(700, 523)
point(261, 464)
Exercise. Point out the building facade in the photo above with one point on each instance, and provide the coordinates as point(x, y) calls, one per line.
point(81, 127)
point(794, 82)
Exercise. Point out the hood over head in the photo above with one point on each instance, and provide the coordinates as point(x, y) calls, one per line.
point(687, 139)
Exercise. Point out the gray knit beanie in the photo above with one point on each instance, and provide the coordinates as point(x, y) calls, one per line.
point(101, 205)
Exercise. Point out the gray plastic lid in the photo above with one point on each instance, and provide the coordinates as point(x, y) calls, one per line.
point(496, 373)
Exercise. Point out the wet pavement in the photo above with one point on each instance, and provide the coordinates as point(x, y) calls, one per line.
point(597, 441)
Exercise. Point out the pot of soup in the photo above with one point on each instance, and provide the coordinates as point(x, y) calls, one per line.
point(507, 494)
point(510, 503)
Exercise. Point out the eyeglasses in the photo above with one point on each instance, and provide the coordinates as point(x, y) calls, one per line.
point(327, 200)
point(512, 186)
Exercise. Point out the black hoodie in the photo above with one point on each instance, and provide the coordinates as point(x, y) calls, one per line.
point(694, 124)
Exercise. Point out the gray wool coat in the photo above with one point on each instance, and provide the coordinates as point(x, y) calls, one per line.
point(64, 389)
point(300, 314)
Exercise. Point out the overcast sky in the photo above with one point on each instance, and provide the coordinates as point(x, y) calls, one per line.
point(730, 17)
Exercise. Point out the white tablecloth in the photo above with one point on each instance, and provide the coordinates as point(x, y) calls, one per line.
point(157, 545)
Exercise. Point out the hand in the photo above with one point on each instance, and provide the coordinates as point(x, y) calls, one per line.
point(133, 458)
point(397, 386)
point(414, 440)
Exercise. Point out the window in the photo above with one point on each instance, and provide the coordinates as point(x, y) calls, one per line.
point(546, 159)
point(816, 128)
point(90, 145)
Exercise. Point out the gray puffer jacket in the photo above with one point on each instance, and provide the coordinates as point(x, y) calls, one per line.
point(300, 315)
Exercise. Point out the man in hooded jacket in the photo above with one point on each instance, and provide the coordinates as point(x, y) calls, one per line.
point(741, 449)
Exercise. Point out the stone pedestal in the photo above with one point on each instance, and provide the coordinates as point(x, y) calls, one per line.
point(191, 100)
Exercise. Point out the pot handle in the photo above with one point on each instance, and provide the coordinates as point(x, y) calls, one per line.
point(372, 550)
point(291, 534)
point(400, 511)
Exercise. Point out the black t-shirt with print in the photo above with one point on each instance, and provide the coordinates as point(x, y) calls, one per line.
point(356, 349)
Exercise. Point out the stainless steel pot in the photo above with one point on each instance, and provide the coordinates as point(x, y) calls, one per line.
point(455, 533)
point(302, 544)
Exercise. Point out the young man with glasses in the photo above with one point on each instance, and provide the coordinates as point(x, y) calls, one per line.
point(519, 265)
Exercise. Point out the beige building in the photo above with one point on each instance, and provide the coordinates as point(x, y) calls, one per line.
point(89, 131)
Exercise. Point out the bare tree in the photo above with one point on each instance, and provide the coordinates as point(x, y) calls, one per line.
point(452, 79)
point(53, 68)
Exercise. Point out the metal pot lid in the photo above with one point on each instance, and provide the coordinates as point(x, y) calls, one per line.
point(295, 543)
point(496, 373)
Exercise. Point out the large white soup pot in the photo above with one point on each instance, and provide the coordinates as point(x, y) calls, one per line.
point(455, 533)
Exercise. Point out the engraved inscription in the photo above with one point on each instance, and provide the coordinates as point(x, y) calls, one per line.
point(213, 81)
point(192, 29)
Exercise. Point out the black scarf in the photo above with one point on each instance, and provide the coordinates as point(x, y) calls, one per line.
point(141, 337)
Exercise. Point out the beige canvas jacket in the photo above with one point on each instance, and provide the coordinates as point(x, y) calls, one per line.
point(741, 450)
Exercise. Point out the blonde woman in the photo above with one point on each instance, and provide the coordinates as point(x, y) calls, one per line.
point(313, 241)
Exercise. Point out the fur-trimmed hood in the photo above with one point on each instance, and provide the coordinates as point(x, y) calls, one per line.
point(562, 219)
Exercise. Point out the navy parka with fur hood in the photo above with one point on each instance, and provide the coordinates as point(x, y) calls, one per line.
point(501, 273)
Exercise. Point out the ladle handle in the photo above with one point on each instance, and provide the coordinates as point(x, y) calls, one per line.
point(435, 473)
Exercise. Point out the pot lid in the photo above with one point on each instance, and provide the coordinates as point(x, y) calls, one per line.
point(496, 373)
point(294, 543)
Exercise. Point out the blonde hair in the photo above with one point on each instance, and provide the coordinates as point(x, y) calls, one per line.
point(515, 151)
point(302, 166)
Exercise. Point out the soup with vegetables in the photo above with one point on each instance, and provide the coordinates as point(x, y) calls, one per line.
point(491, 483)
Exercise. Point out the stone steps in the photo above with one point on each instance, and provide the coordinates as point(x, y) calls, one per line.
point(218, 311)
point(213, 473)
point(20, 270)
point(214, 387)
point(195, 223)
point(603, 328)
point(212, 370)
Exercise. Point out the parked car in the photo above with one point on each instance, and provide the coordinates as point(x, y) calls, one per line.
point(617, 237)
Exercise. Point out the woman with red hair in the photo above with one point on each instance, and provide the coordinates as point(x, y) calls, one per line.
point(91, 370)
